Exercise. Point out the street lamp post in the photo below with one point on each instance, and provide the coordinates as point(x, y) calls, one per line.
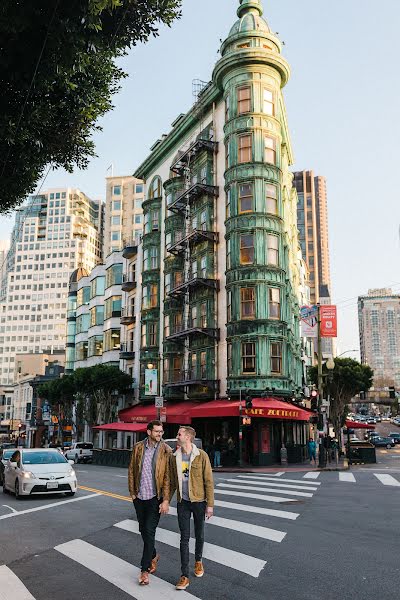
point(240, 430)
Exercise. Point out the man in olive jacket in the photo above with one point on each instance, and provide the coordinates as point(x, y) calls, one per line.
point(192, 478)
point(149, 486)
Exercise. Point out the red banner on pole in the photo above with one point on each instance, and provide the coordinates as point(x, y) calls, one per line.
point(328, 315)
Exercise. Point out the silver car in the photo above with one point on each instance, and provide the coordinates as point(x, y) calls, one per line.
point(39, 471)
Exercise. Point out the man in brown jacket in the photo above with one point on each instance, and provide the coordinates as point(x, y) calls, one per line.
point(191, 476)
point(149, 487)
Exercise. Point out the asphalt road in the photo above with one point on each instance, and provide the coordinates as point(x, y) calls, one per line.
point(290, 535)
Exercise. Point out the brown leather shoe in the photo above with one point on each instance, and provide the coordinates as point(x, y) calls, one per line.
point(144, 578)
point(183, 583)
point(153, 567)
point(198, 568)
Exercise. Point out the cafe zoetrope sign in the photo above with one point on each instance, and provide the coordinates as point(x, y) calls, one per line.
point(277, 413)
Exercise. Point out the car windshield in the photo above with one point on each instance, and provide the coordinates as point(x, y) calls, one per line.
point(7, 454)
point(42, 458)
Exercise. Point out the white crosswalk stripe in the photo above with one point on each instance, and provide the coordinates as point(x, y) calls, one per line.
point(347, 477)
point(257, 480)
point(257, 530)
point(387, 479)
point(12, 587)
point(119, 572)
point(266, 489)
point(266, 498)
point(312, 475)
point(223, 556)
point(270, 512)
point(284, 479)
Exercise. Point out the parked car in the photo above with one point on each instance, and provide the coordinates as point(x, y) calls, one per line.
point(382, 442)
point(80, 452)
point(172, 443)
point(39, 471)
point(371, 421)
point(4, 458)
point(370, 434)
point(378, 419)
point(395, 437)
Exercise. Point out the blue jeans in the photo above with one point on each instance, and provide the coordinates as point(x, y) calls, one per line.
point(217, 458)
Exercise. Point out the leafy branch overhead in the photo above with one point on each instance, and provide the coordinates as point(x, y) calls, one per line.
point(58, 74)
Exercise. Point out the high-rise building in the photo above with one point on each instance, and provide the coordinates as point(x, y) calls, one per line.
point(219, 269)
point(312, 223)
point(54, 233)
point(3, 269)
point(379, 328)
point(123, 212)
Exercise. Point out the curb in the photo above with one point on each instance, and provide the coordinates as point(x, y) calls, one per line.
point(266, 470)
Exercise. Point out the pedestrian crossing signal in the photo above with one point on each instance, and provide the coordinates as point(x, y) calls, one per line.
point(246, 420)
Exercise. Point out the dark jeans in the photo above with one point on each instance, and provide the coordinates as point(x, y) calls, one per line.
point(185, 510)
point(148, 516)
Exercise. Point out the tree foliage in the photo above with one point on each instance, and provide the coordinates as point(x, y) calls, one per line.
point(94, 392)
point(347, 379)
point(58, 74)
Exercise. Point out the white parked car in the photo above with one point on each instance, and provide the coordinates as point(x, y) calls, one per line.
point(80, 452)
point(39, 471)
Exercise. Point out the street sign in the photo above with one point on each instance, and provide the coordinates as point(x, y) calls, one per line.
point(159, 402)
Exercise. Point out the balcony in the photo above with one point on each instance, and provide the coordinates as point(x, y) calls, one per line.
point(191, 379)
point(130, 248)
point(194, 281)
point(127, 316)
point(186, 197)
point(128, 281)
point(127, 351)
point(197, 235)
point(182, 334)
point(190, 154)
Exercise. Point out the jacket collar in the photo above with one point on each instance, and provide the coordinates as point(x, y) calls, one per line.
point(195, 451)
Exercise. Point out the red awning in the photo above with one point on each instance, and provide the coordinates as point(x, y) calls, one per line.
point(177, 413)
point(122, 427)
point(358, 425)
point(269, 408)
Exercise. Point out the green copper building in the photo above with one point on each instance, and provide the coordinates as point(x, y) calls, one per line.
point(220, 274)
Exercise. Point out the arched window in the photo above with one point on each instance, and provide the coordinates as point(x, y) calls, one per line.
point(155, 188)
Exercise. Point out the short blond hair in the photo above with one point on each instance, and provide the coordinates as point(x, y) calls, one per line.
point(189, 430)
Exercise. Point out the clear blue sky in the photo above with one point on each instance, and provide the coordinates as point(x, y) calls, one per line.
point(342, 103)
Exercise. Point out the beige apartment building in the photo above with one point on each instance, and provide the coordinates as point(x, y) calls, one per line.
point(123, 213)
point(379, 328)
point(312, 218)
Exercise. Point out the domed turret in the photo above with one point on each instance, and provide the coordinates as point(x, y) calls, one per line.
point(250, 18)
point(78, 274)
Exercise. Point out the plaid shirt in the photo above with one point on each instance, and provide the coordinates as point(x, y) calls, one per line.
point(146, 489)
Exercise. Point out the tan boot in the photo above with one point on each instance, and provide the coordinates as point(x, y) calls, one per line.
point(153, 567)
point(144, 578)
point(198, 568)
point(183, 583)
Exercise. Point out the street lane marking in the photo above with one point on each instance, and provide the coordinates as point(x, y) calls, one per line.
point(277, 499)
point(387, 479)
point(312, 475)
point(265, 489)
point(223, 556)
point(123, 476)
point(284, 480)
point(119, 572)
point(263, 532)
point(12, 587)
point(104, 493)
point(260, 481)
point(281, 514)
point(46, 506)
point(10, 507)
point(347, 477)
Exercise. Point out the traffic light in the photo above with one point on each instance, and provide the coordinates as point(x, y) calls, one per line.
point(314, 400)
point(392, 392)
point(362, 395)
point(249, 401)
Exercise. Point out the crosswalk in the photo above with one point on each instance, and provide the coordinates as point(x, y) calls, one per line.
point(253, 515)
point(239, 537)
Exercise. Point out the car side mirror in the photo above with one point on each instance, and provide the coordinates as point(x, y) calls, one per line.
point(71, 462)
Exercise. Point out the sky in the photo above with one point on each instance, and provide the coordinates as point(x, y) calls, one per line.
point(342, 104)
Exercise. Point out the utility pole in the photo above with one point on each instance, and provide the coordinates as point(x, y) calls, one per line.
point(240, 430)
point(321, 460)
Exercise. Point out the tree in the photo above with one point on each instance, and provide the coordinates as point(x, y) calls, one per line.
point(347, 379)
point(59, 393)
point(58, 76)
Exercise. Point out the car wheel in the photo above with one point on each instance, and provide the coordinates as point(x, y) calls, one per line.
point(17, 494)
point(388, 446)
point(70, 494)
point(5, 490)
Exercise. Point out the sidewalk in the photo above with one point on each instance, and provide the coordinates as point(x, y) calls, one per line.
point(293, 468)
